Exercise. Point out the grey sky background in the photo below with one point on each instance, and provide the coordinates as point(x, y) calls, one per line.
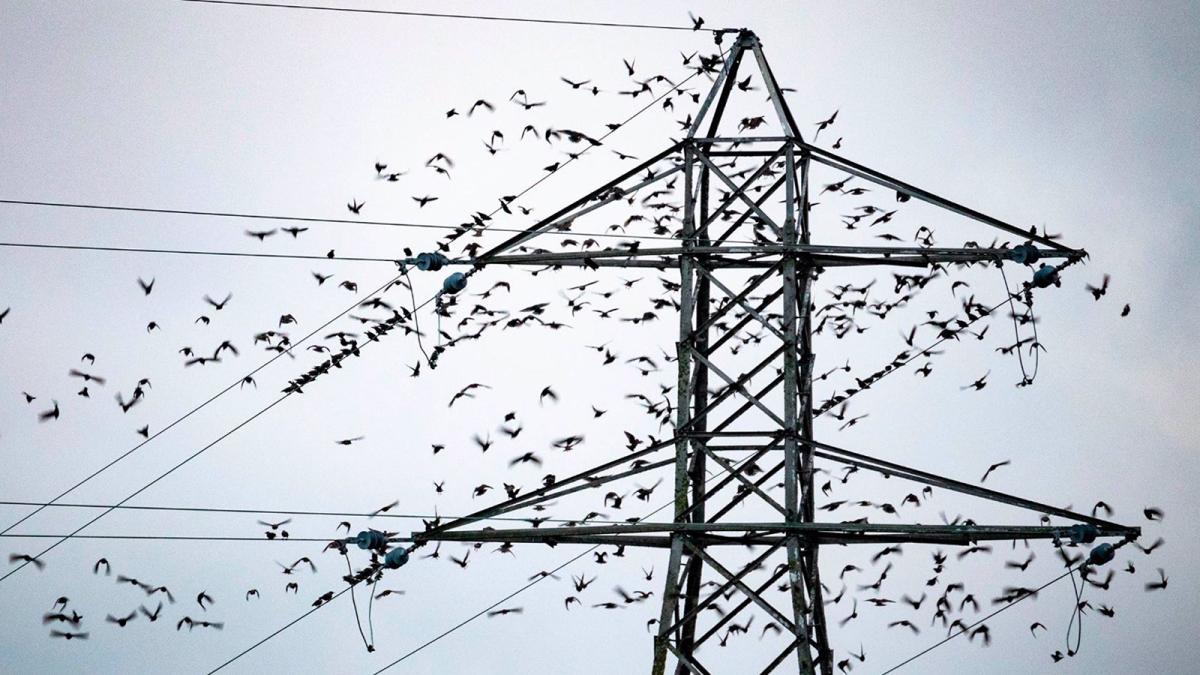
point(1080, 118)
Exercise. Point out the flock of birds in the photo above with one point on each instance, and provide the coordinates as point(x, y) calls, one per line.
point(944, 602)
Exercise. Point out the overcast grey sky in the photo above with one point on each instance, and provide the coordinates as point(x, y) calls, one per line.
point(1080, 118)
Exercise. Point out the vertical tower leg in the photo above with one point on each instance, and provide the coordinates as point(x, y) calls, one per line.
point(683, 417)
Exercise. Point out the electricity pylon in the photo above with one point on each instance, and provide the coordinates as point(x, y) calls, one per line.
point(733, 419)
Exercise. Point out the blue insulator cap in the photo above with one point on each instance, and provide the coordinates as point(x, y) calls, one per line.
point(395, 558)
point(370, 539)
point(431, 262)
point(1083, 533)
point(1045, 276)
point(454, 283)
point(1102, 554)
point(1024, 254)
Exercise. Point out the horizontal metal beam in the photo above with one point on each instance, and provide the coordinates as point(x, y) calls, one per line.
point(832, 452)
point(970, 532)
point(556, 217)
point(820, 254)
point(841, 163)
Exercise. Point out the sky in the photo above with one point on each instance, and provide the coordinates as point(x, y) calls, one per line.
point(1078, 118)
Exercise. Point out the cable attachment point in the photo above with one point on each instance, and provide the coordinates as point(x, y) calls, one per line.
point(1046, 276)
point(1024, 254)
point(431, 262)
point(395, 558)
point(454, 283)
point(370, 540)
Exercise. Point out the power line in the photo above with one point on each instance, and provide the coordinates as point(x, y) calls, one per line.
point(232, 254)
point(602, 138)
point(175, 422)
point(156, 537)
point(345, 221)
point(277, 512)
point(968, 628)
point(193, 455)
point(145, 487)
point(489, 608)
point(476, 17)
point(535, 581)
point(285, 627)
point(332, 221)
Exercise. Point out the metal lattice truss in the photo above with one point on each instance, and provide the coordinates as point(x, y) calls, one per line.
point(755, 269)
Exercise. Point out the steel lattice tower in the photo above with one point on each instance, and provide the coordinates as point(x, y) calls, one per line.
point(737, 419)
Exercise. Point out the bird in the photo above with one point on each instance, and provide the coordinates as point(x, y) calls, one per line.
point(260, 235)
point(218, 306)
point(993, 467)
point(121, 621)
point(14, 558)
point(51, 414)
point(152, 616)
point(465, 392)
point(825, 124)
point(978, 384)
point(481, 104)
point(146, 287)
point(1153, 513)
point(852, 421)
point(422, 201)
point(547, 393)
point(68, 636)
point(201, 598)
point(527, 457)
point(385, 509)
point(348, 441)
point(1012, 564)
point(355, 206)
point(1161, 584)
point(483, 443)
point(697, 21)
point(274, 526)
point(87, 377)
point(504, 611)
point(103, 562)
point(1098, 291)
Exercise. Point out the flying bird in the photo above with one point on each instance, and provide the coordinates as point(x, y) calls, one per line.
point(993, 467)
point(1098, 292)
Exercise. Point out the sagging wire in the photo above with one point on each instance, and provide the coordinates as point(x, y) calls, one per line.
point(357, 620)
point(416, 321)
point(1026, 378)
point(370, 606)
point(1076, 612)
